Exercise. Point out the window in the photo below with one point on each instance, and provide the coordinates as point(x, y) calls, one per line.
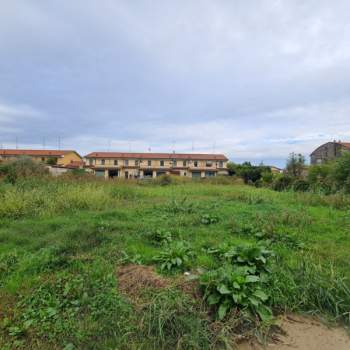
point(162, 163)
point(185, 174)
point(174, 162)
point(221, 164)
point(115, 162)
point(184, 163)
point(91, 161)
point(195, 163)
point(126, 162)
point(103, 161)
point(149, 163)
point(209, 173)
point(208, 163)
point(136, 163)
point(43, 159)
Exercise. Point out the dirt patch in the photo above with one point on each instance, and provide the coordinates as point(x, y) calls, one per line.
point(189, 287)
point(134, 279)
point(303, 333)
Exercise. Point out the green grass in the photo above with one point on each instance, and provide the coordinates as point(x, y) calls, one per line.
point(61, 242)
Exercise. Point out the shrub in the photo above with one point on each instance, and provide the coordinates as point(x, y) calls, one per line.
point(341, 170)
point(282, 182)
point(267, 177)
point(248, 172)
point(51, 161)
point(21, 168)
point(319, 177)
point(300, 185)
point(164, 180)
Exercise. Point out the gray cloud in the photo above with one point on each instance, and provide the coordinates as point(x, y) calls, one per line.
point(257, 79)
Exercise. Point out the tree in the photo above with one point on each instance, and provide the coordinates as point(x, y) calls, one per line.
point(232, 168)
point(51, 161)
point(295, 164)
point(341, 170)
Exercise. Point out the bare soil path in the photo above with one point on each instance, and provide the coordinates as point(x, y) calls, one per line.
point(304, 333)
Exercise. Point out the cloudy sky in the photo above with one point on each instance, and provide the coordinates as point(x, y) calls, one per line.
point(255, 80)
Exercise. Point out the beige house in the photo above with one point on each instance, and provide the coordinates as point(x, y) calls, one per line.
point(148, 165)
point(60, 157)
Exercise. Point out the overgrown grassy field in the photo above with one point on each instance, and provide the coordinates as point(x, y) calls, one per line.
point(248, 251)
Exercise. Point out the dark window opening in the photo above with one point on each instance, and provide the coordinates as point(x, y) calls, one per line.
point(112, 173)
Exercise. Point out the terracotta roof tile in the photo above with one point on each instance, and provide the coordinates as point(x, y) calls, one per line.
point(38, 152)
point(128, 155)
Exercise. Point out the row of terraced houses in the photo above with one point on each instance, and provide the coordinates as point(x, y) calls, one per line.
point(126, 165)
point(150, 165)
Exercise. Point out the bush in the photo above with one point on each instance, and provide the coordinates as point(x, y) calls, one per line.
point(248, 172)
point(164, 180)
point(341, 171)
point(267, 177)
point(21, 168)
point(51, 161)
point(282, 182)
point(301, 185)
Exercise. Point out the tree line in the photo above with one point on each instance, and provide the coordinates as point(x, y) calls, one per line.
point(330, 177)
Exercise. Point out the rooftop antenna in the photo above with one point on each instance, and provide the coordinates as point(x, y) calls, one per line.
point(173, 146)
point(16, 142)
point(129, 146)
point(149, 149)
point(59, 142)
point(192, 146)
point(44, 142)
